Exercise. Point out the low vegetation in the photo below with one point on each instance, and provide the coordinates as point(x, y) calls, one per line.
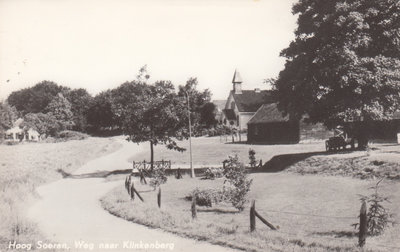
point(23, 167)
point(363, 167)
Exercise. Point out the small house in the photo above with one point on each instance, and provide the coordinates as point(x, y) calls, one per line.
point(269, 125)
point(19, 134)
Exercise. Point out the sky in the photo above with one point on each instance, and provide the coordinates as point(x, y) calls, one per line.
point(99, 44)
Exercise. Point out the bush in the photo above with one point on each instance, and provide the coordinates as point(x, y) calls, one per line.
point(206, 197)
point(239, 185)
point(158, 177)
point(71, 135)
point(213, 173)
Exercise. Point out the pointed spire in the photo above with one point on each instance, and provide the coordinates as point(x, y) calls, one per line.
point(236, 77)
point(237, 82)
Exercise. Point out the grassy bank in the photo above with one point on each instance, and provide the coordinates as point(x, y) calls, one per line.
point(313, 213)
point(23, 167)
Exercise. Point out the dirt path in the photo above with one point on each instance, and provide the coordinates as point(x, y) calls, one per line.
point(69, 212)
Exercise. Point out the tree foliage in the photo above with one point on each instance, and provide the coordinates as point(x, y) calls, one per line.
point(150, 113)
point(207, 115)
point(81, 102)
point(197, 101)
point(100, 112)
point(344, 63)
point(8, 115)
point(44, 124)
point(35, 99)
point(60, 108)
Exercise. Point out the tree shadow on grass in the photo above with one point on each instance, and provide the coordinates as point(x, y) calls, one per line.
point(338, 234)
point(279, 163)
point(99, 174)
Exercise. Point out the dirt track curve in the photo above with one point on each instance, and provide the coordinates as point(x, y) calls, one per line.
point(69, 212)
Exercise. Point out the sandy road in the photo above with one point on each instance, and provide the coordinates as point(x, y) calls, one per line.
point(69, 212)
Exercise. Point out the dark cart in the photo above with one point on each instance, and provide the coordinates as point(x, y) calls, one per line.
point(340, 141)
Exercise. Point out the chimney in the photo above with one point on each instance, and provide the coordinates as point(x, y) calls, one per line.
point(257, 90)
point(237, 83)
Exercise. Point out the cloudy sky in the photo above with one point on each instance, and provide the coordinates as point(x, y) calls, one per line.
point(100, 44)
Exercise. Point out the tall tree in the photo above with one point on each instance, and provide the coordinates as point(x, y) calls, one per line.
point(8, 115)
point(344, 63)
point(150, 113)
point(80, 101)
point(60, 108)
point(207, 114)
point(35, 99)
point(100, 113)
point(44, 124)
point(197, 100)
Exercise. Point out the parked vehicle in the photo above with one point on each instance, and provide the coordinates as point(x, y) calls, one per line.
point(340, 141)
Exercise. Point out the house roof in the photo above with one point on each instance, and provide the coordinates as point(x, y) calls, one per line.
point(251, 101)
point(236, 77)
point(268, 113)
point(229, 114)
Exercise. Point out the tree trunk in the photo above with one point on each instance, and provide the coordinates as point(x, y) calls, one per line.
point(362, 135)
point(151, 156)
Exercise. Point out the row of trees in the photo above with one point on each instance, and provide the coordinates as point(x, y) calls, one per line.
point(153, 112)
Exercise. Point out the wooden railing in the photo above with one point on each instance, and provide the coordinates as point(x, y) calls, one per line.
point(147, 165)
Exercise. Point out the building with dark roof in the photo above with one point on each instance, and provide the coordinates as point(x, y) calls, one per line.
point(269, 125)
point(241, 104)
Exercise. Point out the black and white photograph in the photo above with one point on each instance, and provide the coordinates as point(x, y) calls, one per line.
point(200, 125)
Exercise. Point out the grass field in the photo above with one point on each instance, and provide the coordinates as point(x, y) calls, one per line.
point(311, 195)
point(25, 166)
point(314, 213)
point(211, 151)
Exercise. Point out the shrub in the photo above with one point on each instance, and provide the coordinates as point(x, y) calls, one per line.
point(378, 217)
point(213, 173)
point(239, 185)
point(206, 197)
point(158, 177)
point(71, 135)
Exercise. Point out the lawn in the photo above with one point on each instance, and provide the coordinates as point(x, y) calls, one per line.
point(25, 166)
point(309, 194)
point(211, 151)
point(313, 213)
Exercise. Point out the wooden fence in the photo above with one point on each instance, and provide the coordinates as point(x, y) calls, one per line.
point(147, 165)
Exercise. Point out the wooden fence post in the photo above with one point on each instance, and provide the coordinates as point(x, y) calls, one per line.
point(179, 175)
point(159, 197)
point(132, 191)
point(253, 216)
point(194, 210)
point(264, 220)
point(362, 235)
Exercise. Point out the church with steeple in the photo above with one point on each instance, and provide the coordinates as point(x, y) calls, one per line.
point(242, 104)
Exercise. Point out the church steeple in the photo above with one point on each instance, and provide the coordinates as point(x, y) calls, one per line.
point(237, 83)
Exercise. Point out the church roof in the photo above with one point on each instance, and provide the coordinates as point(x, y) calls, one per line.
point(236, 77)
point(251, 100)
point(268, 113)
